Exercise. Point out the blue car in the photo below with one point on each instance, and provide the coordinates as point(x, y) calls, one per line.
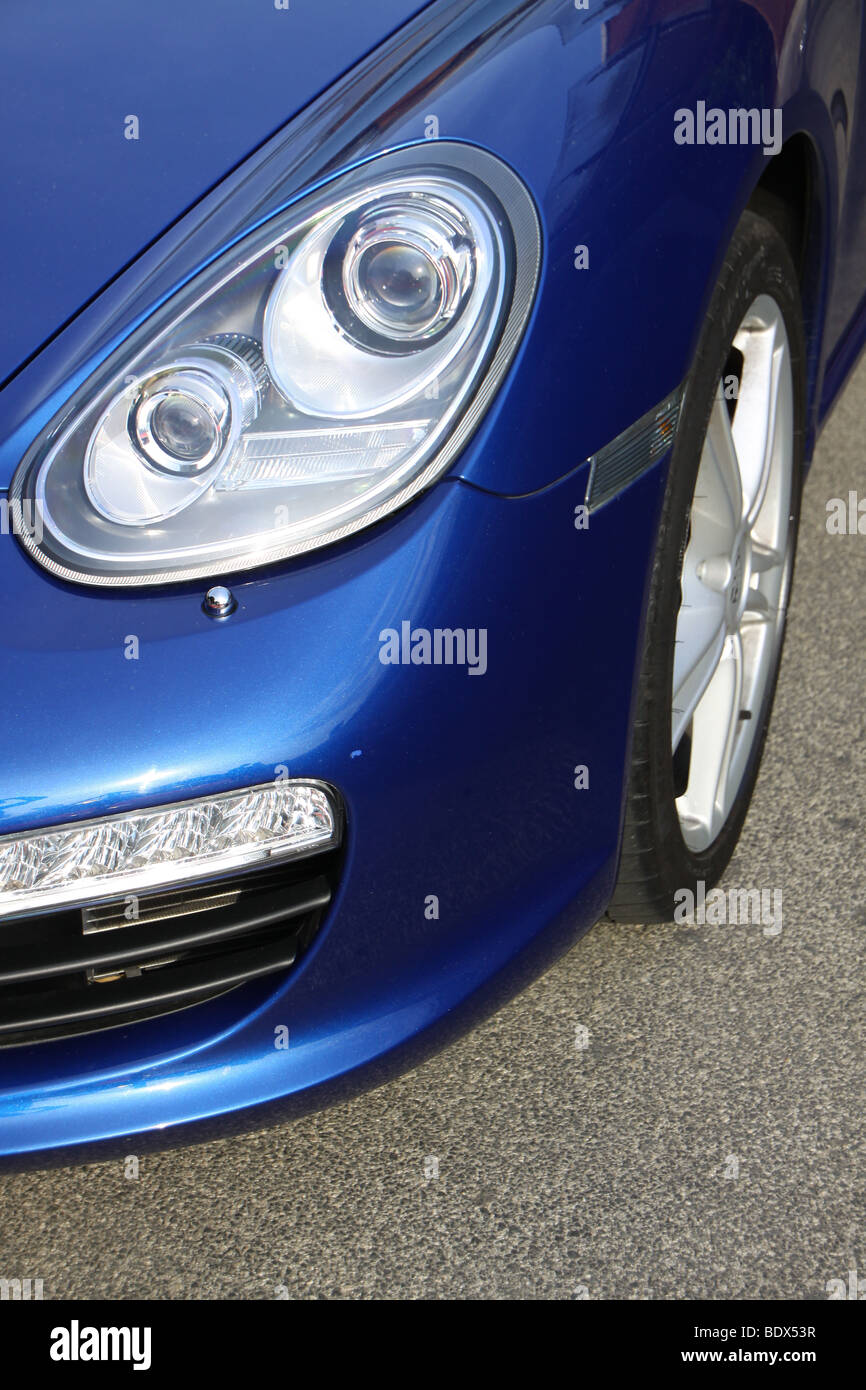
point(404, 409)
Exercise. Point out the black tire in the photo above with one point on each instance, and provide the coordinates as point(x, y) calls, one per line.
point(655, 859)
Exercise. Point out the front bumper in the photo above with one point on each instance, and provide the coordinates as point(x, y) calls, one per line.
point(458, 788)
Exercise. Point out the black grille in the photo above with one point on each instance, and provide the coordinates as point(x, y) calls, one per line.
point(86, 968)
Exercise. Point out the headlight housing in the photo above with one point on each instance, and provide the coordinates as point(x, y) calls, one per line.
point(307, 383)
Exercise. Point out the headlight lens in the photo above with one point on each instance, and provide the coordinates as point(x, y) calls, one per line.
point(161, 440)
point(314, 379)
point(366, 316)
point(401, 270)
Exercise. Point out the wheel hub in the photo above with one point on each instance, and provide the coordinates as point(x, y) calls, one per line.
point(739, 583)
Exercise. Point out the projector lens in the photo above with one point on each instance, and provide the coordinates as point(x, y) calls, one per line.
point(400, 287)
point(184, 427)
point(399, 273)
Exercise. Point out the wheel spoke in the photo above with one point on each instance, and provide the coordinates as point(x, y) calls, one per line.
point(758, 606)
point(700, 639)
point(718, 496)
point(757, 413)
point(764, 558)
point(716, 723)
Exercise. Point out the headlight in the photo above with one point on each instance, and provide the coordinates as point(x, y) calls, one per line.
point(312, 380)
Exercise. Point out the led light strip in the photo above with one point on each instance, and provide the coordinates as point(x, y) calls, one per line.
point(164, 845)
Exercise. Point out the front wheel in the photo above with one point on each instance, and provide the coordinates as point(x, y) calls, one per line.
point(721, 583)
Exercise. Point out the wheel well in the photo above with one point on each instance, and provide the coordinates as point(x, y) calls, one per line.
point(786, 195)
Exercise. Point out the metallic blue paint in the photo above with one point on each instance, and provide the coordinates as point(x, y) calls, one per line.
point(208, 80)
point(454, 786)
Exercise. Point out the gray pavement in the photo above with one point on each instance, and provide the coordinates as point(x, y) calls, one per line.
point(607, 1172)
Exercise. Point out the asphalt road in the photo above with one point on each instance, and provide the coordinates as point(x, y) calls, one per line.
point(707, 1142)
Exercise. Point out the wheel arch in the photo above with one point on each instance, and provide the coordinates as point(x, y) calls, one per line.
point(792, 194)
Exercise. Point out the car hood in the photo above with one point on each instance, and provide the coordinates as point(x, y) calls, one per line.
point(207, 80)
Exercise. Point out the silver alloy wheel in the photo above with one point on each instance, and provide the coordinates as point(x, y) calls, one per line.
point(735, 576)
